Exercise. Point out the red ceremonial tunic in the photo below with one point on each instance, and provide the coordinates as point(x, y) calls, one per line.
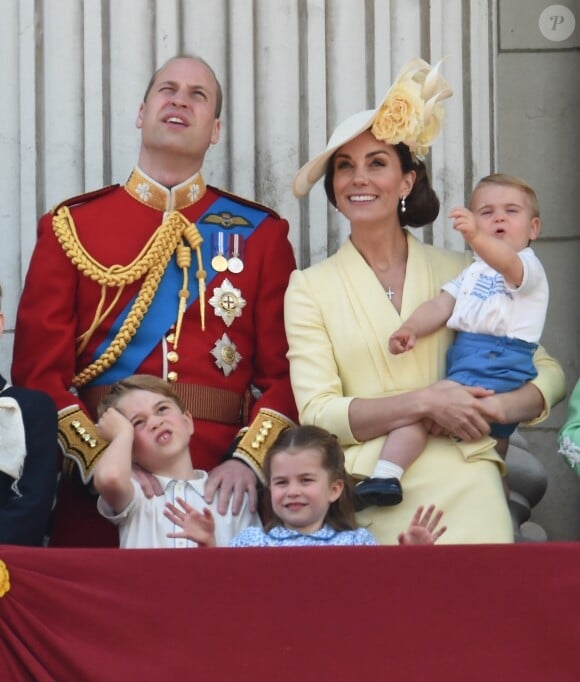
point(241, 351)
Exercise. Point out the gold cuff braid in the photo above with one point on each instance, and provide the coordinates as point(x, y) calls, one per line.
point(259, 437)
point(79, 440)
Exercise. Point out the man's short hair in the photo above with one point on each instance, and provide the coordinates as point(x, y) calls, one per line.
point(195, 58)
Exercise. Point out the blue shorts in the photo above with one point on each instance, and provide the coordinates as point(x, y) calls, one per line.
point(495, 362)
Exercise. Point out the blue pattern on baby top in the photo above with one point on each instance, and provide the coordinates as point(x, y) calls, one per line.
point(490, 285)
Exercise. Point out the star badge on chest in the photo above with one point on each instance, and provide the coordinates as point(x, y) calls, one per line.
point(226, 354)
point(227, 302)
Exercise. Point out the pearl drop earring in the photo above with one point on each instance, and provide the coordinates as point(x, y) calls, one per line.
point(403, 205)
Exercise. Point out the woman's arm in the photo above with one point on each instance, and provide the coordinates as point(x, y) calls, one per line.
point(463, 411)
point(455, 409)
point(532, 402)
point(323, 337)
point(323, 364)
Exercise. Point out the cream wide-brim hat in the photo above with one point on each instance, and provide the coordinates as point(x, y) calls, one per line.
point(346, 131)
point(417, 123)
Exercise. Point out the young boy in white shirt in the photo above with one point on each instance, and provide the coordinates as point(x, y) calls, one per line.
point(147, 425)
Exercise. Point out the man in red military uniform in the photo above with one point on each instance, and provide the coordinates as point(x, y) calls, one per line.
point(166, 276)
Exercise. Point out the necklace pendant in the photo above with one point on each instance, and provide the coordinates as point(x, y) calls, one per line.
point(390, 293)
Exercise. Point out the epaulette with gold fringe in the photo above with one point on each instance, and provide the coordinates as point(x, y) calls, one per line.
point(83, 198)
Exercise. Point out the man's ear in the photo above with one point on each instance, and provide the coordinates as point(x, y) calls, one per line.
point(139, 121)
point(215, 133)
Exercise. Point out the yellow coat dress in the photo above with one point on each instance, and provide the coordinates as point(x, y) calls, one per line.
point(338, 320)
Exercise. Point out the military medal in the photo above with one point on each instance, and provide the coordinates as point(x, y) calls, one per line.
point(235, 262)
point(219, 262)
point(226, 355)
point(227, 302)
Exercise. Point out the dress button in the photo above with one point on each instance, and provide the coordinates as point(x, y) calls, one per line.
point(173, 356)
point(171, 338)
point(172, 377)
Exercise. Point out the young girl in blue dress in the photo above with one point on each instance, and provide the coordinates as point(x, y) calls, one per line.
point(308, 501)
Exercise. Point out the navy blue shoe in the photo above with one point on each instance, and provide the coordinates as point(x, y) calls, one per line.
point(377, 492)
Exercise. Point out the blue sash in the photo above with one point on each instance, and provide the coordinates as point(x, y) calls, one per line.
point(162, 312)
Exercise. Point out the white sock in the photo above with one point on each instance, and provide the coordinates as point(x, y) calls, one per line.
point(387, 470)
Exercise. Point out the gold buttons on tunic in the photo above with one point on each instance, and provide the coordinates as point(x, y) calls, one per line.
point(171, 338)
point(173, 356)
point(172, 377)
point(83, 434)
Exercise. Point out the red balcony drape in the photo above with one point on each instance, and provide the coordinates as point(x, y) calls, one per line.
point(337, 613)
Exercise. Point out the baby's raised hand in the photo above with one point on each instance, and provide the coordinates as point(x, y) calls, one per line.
point(199, 527)
point(423, 529)
point(402, 340)
point(464, 222)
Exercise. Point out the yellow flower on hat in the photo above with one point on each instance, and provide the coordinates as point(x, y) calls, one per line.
point(400, 116)
point(411, 112)
point(429, 134)
point(4, 579)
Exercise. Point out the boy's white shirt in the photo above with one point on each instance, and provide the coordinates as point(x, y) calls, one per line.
point(143, 525)
point(485, 304)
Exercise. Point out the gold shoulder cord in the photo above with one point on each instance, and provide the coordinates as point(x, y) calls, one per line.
point(151, 262)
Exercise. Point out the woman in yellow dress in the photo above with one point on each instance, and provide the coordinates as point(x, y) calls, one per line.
point(340, 313)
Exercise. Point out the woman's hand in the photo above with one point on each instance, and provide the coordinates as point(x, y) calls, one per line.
point(197, 527)
point(445, 408)
point(522, 405)
point(423, 529)
point(458, 410)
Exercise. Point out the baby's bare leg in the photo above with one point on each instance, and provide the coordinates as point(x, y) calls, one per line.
point(400, 450)
point(404, 445)
point(502, 446)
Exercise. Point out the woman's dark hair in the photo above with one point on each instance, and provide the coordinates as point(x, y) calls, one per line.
point(340, 514)
point(422, 203)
